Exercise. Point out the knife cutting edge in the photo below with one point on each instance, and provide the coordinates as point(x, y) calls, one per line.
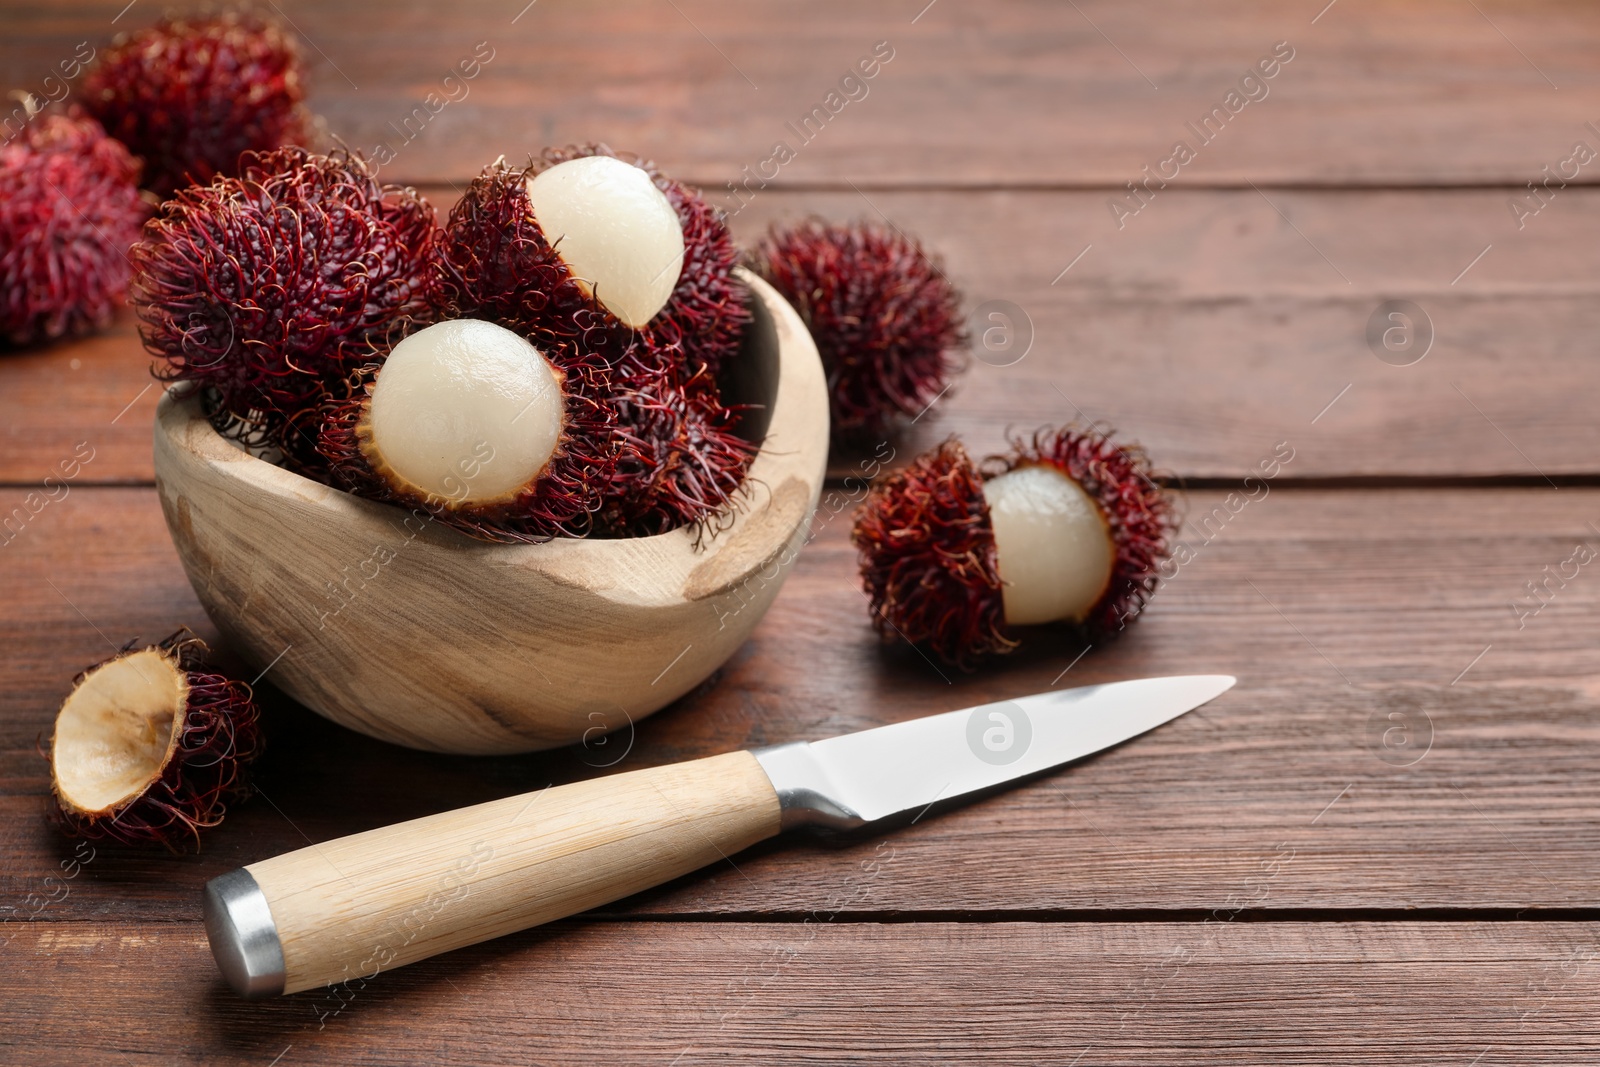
point(350, 908)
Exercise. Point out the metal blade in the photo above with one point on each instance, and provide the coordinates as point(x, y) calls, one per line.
point(853, 779)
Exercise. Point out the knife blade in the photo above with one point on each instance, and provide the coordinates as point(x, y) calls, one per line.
point(343, 911)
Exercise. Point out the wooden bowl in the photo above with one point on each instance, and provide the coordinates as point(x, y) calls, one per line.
point(419, 635)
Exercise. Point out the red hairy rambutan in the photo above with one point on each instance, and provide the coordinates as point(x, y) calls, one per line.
point(69, 210)
point(470, 423)
point(150, 748)
point(498, 263)
point(268, 287)
point(682, 460)
point(885, 318)
point(188, 95)
point(1067, 526)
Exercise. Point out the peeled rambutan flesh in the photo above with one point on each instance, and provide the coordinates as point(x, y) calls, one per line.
point(472, 423)
point(886, 320)
point(1066, 527)
point(150, 748)
point(69, 210)
point(189, 95)
point(268, 288)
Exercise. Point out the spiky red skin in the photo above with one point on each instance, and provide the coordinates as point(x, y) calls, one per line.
point(497, 264)
point(682, 460)
point(561, 502)
point(69, 210)
point(886, 320)
point(189, 95)
point(927, 548)
point(927, 558)
point(221, 736)
point(271, 286)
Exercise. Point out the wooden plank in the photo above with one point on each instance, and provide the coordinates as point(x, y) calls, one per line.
point(1018, 93)
point(1345, 615)
point(1017, 993)
point(1208, 328)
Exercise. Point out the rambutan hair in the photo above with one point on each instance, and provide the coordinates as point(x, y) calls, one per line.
point(886, 320)
point(561, 502)
point(1138, 511)
point(69, 210)
point(496, 264)
point(205, 770)
point(927, 558)
point(189, 95)
point(682, 461)
point(269, 287)
point(927, 547)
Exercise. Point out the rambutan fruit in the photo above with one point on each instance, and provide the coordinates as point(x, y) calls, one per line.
point(269, 287)
point(583, 245)
point(150, 748)
point(69, 210)
point(1066, 527)
point(189, 95)
point(886, 320)
point(470, 422)
point(682, 459)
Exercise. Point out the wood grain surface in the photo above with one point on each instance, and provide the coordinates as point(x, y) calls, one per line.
point(834, 991)
point(1382, 847)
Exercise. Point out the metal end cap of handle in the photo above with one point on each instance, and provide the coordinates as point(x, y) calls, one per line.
point(243, 935)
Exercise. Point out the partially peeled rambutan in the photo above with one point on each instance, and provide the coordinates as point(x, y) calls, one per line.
point(1066, 527)
point(150, 748)
point(886, 320)
point(69, 210)
point(585, 246)
point(188, 95)
point(470, 422)
point(270, 287)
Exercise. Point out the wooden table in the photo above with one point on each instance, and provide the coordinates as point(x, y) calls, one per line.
point(1280, 877)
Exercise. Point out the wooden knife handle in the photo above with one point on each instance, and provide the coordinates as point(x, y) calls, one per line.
point(347, 909)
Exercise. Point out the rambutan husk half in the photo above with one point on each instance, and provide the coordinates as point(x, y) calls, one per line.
point(268, 288)
point(927, 549)
point(886, 319)
point(69, 209)
point(150, 748)
point(189, 95)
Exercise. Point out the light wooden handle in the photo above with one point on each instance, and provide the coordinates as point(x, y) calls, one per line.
point(349, 908)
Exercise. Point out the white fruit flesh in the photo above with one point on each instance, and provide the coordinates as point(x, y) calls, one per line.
point(1052, 545)
point(466, 412)
point(615, 231)
point(116, 730)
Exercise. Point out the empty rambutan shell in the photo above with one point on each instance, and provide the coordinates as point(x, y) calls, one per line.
point(1067, 527)
point(635, 283)
point(188, 95)
point(885, 318)
point(69, 210)
point(473, 424)
point(150, 748)
point(269, 287)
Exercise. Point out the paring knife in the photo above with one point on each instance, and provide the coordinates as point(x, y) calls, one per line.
point(345, 910)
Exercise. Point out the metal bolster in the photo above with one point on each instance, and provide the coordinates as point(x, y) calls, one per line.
point(807, 796)
point(243, 936)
